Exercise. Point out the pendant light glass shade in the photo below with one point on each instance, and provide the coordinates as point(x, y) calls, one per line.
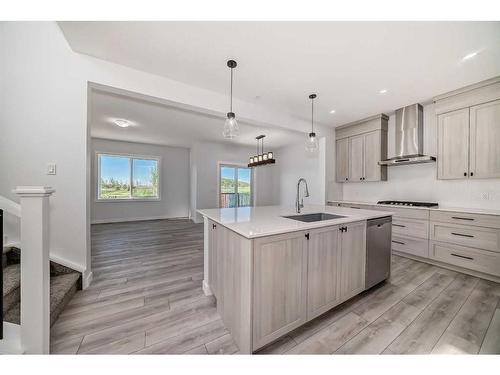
point(312, 143)
point(312, 140)
point(231, 128)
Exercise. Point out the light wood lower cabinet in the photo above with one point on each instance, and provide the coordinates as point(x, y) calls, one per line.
point(280, 286)
point(275, 284)
point(353, 260)
point(212, 246)
point(324, 256)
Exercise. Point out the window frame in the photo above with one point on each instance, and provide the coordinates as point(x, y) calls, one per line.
point(236, 165)
point(131, 157)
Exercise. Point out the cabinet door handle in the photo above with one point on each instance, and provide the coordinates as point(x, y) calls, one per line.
point(462, 218)
point(462, 256)
point(462, 235)
point(214, 226)
point(465, 174)
point(472, 174)
point(307, 236)
point(399, 225)
point(398, 242)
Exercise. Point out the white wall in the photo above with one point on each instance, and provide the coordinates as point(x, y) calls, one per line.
point(43, 118)
point(293, 163)
point(204, 173)
point(174, 184)
point(419, 182)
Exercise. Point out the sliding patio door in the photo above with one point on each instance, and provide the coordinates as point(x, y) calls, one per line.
point(235, 186)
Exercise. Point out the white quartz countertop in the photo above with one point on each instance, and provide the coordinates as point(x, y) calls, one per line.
point(483, 211)
point(253, 222)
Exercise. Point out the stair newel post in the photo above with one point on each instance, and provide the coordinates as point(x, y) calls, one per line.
point(35, 268)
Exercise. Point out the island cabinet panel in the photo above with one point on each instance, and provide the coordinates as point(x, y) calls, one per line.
point(323, 289)
point(353, 260)
point(212, 256)
point(234, 285)
point(280, 286)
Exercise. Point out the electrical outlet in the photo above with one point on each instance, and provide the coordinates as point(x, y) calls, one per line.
point(51, 168)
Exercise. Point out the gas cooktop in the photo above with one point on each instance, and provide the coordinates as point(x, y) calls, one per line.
point(408, 203)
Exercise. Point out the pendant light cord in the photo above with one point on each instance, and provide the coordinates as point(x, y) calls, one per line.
point(312, 115)
point(231, 101)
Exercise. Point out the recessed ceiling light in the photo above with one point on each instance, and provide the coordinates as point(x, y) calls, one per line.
point(121, 123)
point(332, 111)
point(469, 56)
point(383, 91)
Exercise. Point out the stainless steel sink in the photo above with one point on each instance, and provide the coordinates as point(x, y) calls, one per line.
point(309, 218)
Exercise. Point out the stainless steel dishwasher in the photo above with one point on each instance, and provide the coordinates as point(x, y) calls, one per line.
point(378, 250)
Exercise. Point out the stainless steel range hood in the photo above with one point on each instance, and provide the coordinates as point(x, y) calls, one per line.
point(409, 137)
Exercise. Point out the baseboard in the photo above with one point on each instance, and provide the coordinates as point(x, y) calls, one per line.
point(206, 288)
point(87, 279)
point(124, 220)
point(481, 275)
point(67, 263)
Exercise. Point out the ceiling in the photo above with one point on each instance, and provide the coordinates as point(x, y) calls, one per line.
point(281, 63)
point(157, 123)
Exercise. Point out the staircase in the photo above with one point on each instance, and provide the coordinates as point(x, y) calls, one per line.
point(64, 282)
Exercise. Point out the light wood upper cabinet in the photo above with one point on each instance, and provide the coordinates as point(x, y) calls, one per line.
point(359, 148)
point(353, 260)
point(453, 144)
point(485, 140)
point(468, 122)
point(356, 158)
point(342, 160)
point(280, 285)
point(373, 153)
point(323, 289)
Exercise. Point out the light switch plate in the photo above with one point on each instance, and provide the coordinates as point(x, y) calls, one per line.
point(51, 168)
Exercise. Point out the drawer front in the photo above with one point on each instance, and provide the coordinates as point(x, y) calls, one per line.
point(466, 257)
point(490, 221)
point(410, 227)
point(361, 206)
point(413, 246)
point(408, 213)
point(478, 237)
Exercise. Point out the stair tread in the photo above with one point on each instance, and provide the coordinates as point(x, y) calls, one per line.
point(11, 278)
point(59, 287)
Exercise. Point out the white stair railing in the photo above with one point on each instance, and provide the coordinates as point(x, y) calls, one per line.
point(35, 266)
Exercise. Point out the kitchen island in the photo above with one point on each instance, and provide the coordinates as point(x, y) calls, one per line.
point(271, 274)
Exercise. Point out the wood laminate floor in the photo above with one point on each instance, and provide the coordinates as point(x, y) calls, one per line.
point(146, 297)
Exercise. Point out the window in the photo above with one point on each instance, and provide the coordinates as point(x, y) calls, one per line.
point(235, 186)
point(122, 177)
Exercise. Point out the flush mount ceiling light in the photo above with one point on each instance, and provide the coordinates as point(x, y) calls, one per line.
point(121, 123)
point(469, 56)
point(312, 140)
point(231, 128)
point(383, 91)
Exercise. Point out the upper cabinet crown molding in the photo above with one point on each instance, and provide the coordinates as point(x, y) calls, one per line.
point(468, 96)
point(377, 122)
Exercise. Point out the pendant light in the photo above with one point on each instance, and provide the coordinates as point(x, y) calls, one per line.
point(231, 128)
point(312, 140)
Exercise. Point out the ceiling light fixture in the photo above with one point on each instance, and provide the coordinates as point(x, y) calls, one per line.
point(261, 158)
point(469, 56)
point(332, 111)
point(231, 128)
point(121, 123)
point(312, 140)
point(383, 91)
